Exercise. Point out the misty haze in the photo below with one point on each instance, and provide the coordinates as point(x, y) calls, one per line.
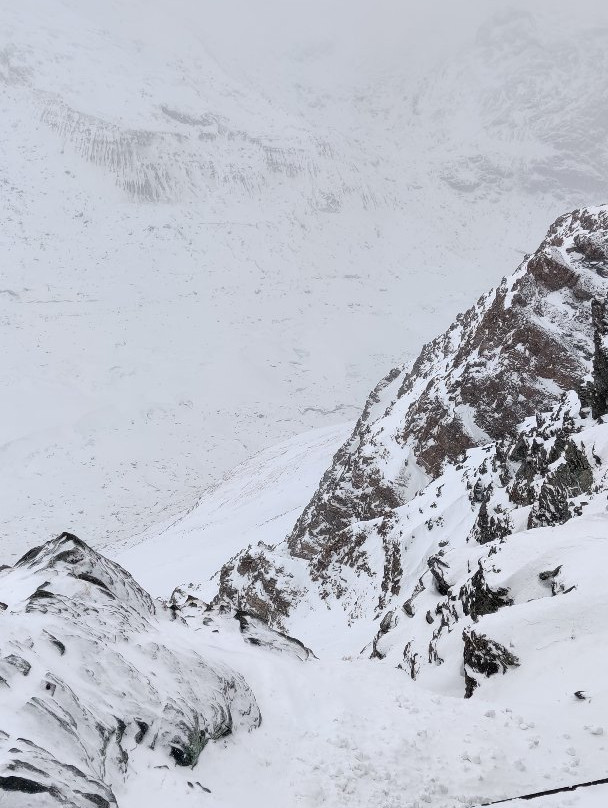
point(303, 418)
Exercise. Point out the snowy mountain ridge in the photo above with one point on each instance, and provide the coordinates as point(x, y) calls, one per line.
point(513, 354)
point(220, 223)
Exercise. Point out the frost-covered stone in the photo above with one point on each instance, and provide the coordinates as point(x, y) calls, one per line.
point(93, 669)
point(478, 598)
point(598, 393)
point(484, 656)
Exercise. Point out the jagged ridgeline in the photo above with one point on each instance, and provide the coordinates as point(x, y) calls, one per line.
point(495, 430)
point(511, 355)
point(92, 672)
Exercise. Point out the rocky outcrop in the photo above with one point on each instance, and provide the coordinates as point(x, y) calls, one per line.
point(457, 583)
point(511, 355)
point(489, 528)
point(478, 598)
point(253, 583)
point(91, 670)
point(505, 484)
point(572, 477)
point(598, 392)
point(217, 619)
point(485, 657)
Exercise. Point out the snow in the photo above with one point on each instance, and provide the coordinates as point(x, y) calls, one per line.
point(88, 660)
point(341, 729)
point(344, 730)
point(334, 732)
point(222, 223)
point(259, 500)
point(347, 730)
point(345, 733)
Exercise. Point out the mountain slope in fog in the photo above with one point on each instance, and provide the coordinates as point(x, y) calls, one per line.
point(216, 219)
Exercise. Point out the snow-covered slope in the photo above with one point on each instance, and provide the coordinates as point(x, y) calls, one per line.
point(96, 673)
point(502, 563)
point(494, 593)
point(355, 732)
point(173, 173)
point(471, 561)
point(108, 702)
point(259, 500)
point(425, 565)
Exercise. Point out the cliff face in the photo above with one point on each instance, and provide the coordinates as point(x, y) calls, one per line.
point(510, 355)
point(513, 354)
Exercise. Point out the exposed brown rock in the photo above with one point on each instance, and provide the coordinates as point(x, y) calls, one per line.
point(510, 355)
point(502, 360)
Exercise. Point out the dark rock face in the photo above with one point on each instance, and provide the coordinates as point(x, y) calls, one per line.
point(552, 578)
point(571, 478)
point(104, 670)
point(269, 593)
point(410, 662)
point(599, 388)
point(489, 528)
point(484, 656)
point(438, 569)
point(478, 599)
point(393, 570)
point(328, 515)
point(545, 467)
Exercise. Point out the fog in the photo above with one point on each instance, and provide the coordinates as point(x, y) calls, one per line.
point(225, 220)
point(371, 37)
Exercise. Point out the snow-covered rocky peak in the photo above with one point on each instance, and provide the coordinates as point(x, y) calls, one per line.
point(409, 480)
point(512, 354)
point(96, 682)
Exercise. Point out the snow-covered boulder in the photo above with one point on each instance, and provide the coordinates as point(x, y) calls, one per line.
point(93, 673)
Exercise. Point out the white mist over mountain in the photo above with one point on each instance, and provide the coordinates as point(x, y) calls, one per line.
point(222, 222)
